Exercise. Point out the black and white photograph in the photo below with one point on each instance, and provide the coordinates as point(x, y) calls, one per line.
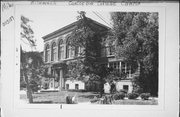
point(89, 57)
point(75, 58)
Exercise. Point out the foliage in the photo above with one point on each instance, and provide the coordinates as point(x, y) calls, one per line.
point(145, 96)
point(119, 96)
point(34, 70)
point(137, 89)
point(132, 95)
point(31, 62)
point(89, 38)
point(107, 99)
point(123, 91)
point(136, 36)
point(34, 86)
point(45, 85)
point(70, 100)
point(27, 34)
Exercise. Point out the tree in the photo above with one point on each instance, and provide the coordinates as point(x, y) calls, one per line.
point(136, 36)
point(31, 62)
point(89, 38)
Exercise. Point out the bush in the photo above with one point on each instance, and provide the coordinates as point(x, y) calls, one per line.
point(132, 95)
point(70, 100)
point(137, 90)
point(22, 85)
point(119, 96)
point(107, 99)
point(123, 91)
point(75, 90)
point(34, 86)
point(145, 96)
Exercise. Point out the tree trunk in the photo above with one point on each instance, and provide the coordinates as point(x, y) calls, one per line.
point(101, 88)
point(29, 91)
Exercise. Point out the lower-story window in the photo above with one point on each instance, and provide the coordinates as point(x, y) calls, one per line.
point(76, 86)
point(126, 87)
point(67, 86)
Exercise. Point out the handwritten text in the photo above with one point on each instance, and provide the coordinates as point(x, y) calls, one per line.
point(10, 19)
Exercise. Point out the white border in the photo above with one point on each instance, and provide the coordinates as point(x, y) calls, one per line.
point(161, 12)
point(168, 89)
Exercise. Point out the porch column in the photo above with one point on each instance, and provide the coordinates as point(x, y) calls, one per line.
point(125, 67)
point(120, 67)
point(108, 64)
point(61, 79)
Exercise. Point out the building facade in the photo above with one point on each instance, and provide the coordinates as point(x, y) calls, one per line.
point(57, 53)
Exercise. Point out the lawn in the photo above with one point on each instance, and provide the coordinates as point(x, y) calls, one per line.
point(81, 97)
point(59, 97)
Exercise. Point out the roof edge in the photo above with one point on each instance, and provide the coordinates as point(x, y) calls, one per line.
point(72, 25)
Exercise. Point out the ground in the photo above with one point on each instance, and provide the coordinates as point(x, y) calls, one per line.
point(81, 97)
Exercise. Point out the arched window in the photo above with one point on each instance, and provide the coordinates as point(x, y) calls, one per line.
point(47, 53)
point(53, 56)
point(68, 50)
point(61, 50)
point(78, 51)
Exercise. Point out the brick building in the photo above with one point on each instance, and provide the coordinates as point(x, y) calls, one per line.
point(57, 53)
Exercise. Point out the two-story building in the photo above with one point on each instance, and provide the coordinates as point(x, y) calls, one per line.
point(57, 53)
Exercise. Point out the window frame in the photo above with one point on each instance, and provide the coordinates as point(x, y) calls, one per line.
point(53, 51)
point(47, 53)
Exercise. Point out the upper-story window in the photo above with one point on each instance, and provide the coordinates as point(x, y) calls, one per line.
point(78, 51)
point(126, 69)
point(107, 50)
point(47, 53)
point(110, 50)
point(103, 51)
point(61, 50)
point(70, 51)
point(121, 68)
point(53, 56)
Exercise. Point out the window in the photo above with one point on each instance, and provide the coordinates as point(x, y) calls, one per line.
point(126, 87)
point(51, 85)
point(68, 51)
point(61, 50)
point(110, 50)
point(122, 68)
point(76, 86)
point(53, 57)
point(67, 86)
point(126, 69)
point(129, 72)
point(72, 52)
point(78, 51)
point(103, 51)
point(107, 50)
point(47, 53)
point(115, 66)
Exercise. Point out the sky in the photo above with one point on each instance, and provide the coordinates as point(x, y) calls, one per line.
point(48, 19)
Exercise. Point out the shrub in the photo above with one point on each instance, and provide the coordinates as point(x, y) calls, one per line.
point(107, 99)
point(123, 91)
point(34, 86)
point(70, 100)
point(145, 96)
point(95, 99)
point(119, 96)
point(132, 95)
point(137, 90)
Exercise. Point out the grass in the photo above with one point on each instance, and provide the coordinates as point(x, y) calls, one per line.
point(59, 98)
point(136, 102)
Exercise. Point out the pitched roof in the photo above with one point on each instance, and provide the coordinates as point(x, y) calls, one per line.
point(70, 27)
